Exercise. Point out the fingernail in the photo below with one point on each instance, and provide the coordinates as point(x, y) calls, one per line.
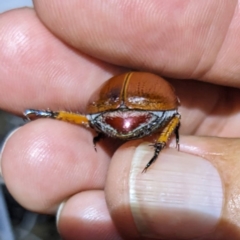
point(3, 146)
point(179, 197)
point(59, 211)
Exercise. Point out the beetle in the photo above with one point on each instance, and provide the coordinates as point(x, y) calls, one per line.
point(128, 106)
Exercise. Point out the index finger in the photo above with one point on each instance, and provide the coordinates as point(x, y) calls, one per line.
point(38, 70)
point(181, 39)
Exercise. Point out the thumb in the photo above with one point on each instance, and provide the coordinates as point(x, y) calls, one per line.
point(181, 196)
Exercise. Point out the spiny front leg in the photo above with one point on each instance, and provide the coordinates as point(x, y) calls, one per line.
point(172, 126)
point(32, 114)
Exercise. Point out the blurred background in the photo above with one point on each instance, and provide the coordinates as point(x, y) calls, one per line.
point(16, 223)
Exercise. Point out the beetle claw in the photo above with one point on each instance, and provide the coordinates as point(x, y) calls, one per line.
point(158, 148)
point(178, 146)
point(145, 170)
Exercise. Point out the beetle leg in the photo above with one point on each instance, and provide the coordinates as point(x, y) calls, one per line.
point(79, 119)
point(158, 147)
point(177, 136)
point(172, 126)
point(97, 139)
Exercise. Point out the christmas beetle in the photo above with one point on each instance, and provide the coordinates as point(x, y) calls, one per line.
point(128, 106)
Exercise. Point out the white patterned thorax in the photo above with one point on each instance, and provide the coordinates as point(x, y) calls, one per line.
point(155, 120)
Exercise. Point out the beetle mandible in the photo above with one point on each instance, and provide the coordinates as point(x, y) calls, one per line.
point(128, 106)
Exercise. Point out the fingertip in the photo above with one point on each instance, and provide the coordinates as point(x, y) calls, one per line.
point(177, 184)
point(47, 161)
point(85, 216)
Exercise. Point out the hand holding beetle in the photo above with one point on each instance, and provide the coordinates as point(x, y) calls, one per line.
point(187, 194)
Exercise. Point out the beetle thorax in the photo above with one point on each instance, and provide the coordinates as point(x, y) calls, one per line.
point(126, 121)
point(130, 124)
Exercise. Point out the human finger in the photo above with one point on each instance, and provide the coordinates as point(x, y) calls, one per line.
point(194, 39)
point(208, 109)
point(184, 195)
point(45, 162)
point(85, 216)
point(40, 71)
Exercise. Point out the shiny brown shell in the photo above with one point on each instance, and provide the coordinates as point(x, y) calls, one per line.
point(134, 90)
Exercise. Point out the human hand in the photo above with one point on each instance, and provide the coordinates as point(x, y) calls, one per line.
point(59, 61)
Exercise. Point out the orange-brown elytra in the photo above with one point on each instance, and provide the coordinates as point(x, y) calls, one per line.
point(128, 106)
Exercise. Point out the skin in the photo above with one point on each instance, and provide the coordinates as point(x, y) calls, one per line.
point(57, 55)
